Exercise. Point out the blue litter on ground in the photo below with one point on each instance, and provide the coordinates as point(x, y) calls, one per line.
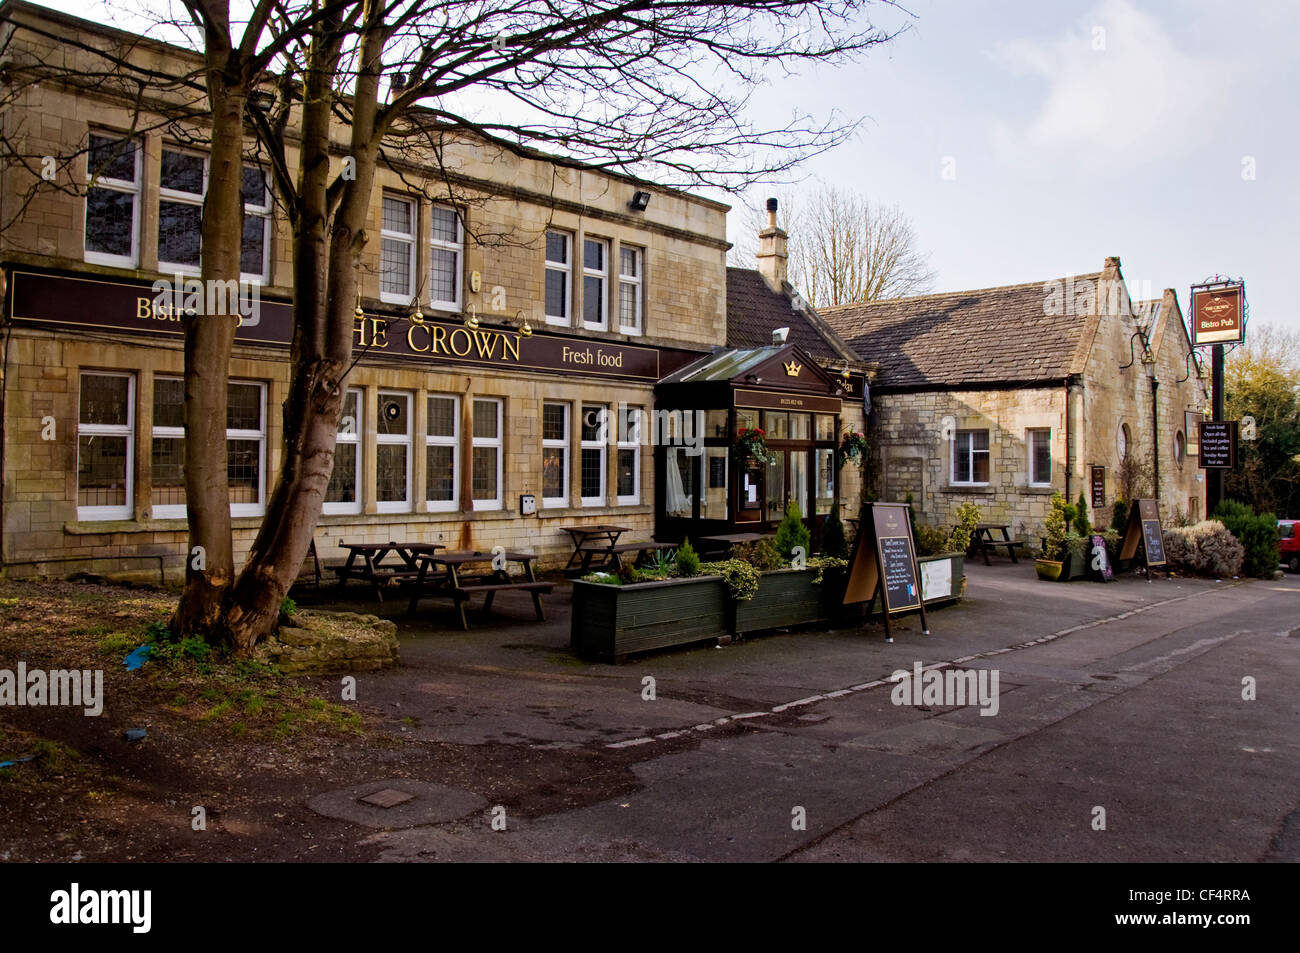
point(134, 734)
point(10, 764)
point(138, 657)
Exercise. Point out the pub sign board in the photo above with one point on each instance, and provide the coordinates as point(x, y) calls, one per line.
point(1217, 444)
point(1144, 528)
point(1217, 314)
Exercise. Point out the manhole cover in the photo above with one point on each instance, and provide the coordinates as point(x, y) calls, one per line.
point(388, 797)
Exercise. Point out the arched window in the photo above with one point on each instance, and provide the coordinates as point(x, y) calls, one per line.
point(1122, 442)
point(1180, 448)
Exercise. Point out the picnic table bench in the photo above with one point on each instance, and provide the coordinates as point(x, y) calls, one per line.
point(724, 542)
point(615, 552)
point(983, 540)
point(366, 562)
point(440, 575)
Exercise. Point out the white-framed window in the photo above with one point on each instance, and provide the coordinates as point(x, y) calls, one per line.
point(105, 446)
point(1040, 456)
point(595, 278)
point(628, 489)
point(1180, 448)
point(559, 277)
point(393, 453)
point(970, 456)
point(555, 454)
point(167, 449)
point(182, 184)
point(112, 201)
point(446, 247)
point(630, 283)
point(255, 249)
point(343, 495)
point(397, 251)
point(246, 447)
point(441, 451)
point(486, 448)
point(591, 467)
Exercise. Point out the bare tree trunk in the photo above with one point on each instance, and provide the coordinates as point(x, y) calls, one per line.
point(321, 353)
point(208, 342)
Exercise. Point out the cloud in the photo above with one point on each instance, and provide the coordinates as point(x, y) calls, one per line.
point(1118, 91)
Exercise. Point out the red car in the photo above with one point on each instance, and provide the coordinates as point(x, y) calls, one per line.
point(1288, 543)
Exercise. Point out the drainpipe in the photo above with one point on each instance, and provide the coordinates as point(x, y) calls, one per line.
point(1073, 427)
point(1155, 436)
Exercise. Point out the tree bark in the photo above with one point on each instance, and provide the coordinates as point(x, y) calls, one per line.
point(326, 252)
point(208, 342)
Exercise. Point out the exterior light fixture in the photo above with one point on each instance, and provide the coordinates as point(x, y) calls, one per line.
point(640, 201)
point(472, 321)
point(1147, 357)
point(845, 373)
point(359, 311)
point(525, 329)
point(417, 316)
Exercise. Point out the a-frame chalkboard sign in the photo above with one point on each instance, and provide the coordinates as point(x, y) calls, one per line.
point(1144, 530)
point(884, 563)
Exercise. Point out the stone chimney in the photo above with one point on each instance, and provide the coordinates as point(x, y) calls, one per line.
point(771, 250)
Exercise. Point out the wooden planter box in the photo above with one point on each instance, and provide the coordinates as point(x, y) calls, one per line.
point(611, 622)
point(941, 577)
point(787, 597)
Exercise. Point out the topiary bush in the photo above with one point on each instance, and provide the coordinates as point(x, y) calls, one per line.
point(1082, 525)
point(687, 562)
point(792, 532)
point(834, 542)
point(1209, 549)
point(1119, 516)
point(931, 541)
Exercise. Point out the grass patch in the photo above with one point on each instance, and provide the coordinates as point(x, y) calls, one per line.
point(119, 643)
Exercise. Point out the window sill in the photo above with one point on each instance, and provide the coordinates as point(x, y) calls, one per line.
point(980, 489)
point(573, 512)
point(1039, 489)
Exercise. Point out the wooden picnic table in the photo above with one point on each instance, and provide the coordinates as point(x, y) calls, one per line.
point(724, 542)
point(599, 535)
point(366, 562)
point(440, 575)
point(983, 540)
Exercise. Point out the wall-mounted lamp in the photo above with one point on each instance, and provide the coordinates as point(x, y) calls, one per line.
point(1147, 357)
point(417, 316)
point(640, 201)
point(525, 329)
point(359, 311)
point(845, 373)
point(472, 321)
point(1192, 357)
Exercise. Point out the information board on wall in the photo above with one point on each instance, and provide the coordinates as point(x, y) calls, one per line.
point(1217, 444)
point(1097, 483)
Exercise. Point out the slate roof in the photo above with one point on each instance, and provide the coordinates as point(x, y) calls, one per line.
point(754, 311)
point(991, 335)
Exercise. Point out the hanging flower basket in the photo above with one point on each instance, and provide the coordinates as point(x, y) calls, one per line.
point(853, 446)
point(751, 444)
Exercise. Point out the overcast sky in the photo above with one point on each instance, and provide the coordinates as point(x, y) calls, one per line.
point(1167, 133)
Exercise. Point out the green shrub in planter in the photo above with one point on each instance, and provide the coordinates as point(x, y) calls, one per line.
point(792, 532)
point(1082, 525)
point(968, 517)
point(688, 560)
point(834, 542)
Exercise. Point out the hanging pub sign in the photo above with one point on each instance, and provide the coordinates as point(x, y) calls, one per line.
point(883, 563)
point(1097, 483)
point(1144, 530)
point(1217, 314)
point(1217, 444)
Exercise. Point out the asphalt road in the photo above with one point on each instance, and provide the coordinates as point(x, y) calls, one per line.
point(1121, 733)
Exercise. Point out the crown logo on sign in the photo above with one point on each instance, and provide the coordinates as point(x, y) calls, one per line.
point(793, 368)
